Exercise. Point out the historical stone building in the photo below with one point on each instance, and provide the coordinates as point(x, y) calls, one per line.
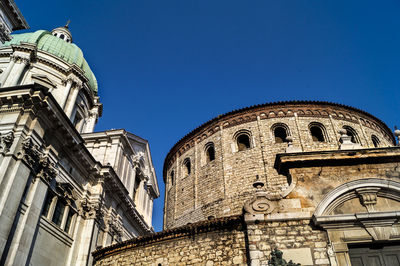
point(64, 189)
point(11, 19)
point(319, 181)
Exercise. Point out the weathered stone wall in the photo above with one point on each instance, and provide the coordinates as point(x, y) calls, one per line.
point(219, 188)
point(313, 182)
point(233, 243)
point(298, 241)
point(221, 247)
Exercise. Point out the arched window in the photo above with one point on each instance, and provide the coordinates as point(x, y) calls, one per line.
point(210, 152)
point(317, 132)
point(280, 133)
point(62, 36)
point(172, 177)
point(186, 167)
point(352, 133)
point(243, 142)
point(375, 141)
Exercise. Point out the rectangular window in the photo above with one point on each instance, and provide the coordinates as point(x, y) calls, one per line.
point(58, 213)
point(69, 221)
point(47, 204)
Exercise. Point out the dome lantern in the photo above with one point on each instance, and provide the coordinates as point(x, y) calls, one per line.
point(63, 33)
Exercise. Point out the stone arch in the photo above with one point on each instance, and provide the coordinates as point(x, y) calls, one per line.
point(279, 132)
point(243, 139)
point(209, 151)
point(186, 167)
point(318, 132)
point(365, 227)
point(353, 134)
point(386, 188)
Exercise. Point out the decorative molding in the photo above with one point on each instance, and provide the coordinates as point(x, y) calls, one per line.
point(368, 197)
point(21, 59)
point(90, 210)
point(38, 161)
point(346, 191)
point(262, 202)
point(276, 110)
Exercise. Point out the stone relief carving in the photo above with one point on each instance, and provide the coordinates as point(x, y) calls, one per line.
point(262, 203)
point(91, 210)
point(38, 161)
point(6, 141)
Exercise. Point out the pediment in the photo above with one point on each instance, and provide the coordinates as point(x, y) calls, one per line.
point(43, 80)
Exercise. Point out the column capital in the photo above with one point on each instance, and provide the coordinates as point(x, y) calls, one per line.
point(73, 80)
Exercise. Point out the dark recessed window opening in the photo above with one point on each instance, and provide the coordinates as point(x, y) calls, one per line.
point(375, 141)
point(172, 178)
point(351, 133)
point(58, 213)
point(187, 166)
point(210, 153)
point(280, 135)
point(317, 134)
point(243, 142)
point(69, 221)
point(47, 205)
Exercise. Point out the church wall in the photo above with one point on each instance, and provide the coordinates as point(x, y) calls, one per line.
point(220, 188)
point(297, 239)
point(52, 245)
point(313, 183)
point(221, 247)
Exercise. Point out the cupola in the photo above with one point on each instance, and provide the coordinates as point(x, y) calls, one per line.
point(63, 33)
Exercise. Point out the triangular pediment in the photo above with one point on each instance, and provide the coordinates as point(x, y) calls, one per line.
point(43, 80)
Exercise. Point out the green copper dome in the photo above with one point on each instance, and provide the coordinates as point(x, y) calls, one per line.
point(66, 51)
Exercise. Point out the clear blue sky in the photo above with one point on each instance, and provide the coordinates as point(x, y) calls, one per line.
point(165, 67)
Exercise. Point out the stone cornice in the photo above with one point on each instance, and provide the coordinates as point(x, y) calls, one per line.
point(14, 15)
point(124, 137)
point(117, 189)
point(273, 110)
point(285, 161)
point(36, 97)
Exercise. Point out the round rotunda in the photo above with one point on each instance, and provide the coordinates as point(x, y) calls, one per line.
point(210, 172)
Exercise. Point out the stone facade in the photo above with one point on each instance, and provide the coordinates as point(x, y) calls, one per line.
point(64, 190)
point(11, 19)
point(207, 243)
point(315, 194)
point(220, 187)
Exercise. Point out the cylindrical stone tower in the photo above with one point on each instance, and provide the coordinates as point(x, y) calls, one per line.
point(209, 172)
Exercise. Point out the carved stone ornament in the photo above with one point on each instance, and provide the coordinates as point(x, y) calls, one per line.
point(6, 141)
point(115, 227)
point(4, 33)
point(21, 59)
point(261, 203)
point(368, 197)
point(38, 161)
point(91, 210)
